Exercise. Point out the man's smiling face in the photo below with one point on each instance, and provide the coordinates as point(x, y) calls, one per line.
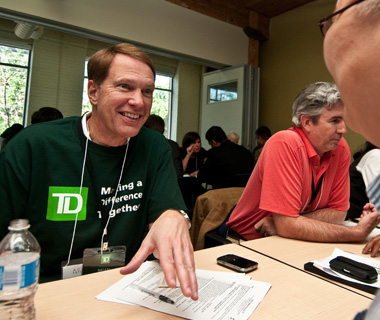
point(122, 103)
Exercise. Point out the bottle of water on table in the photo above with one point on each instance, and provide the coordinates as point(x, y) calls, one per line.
point(19, 272)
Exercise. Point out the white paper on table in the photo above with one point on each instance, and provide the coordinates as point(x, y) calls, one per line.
point(222, 295)
point(324, 265)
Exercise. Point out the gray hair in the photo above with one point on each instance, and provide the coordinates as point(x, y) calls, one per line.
point(313, 100)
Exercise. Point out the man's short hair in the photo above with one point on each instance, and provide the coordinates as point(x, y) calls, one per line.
point(45, 114)
point(216, 133)
point(313, 100)
point(263, 132)
point(99, 63)
point(155, 122)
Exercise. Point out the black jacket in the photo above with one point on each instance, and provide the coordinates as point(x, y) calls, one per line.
point(224, 162)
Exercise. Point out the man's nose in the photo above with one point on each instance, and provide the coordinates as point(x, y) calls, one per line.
point(136, 98)
point(342, 129)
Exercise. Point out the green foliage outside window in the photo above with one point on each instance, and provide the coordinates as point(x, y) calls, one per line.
point(13, 82)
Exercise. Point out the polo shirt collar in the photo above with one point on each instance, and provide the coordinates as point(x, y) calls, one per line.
point(312, 154)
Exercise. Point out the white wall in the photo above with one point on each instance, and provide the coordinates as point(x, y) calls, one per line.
point(155, 23)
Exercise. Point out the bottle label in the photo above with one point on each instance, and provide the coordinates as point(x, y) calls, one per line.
point(19, 277)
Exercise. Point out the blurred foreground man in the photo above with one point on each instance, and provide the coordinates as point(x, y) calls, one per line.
point(352, 51)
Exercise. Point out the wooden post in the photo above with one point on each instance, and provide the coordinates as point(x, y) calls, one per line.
point(261, 25)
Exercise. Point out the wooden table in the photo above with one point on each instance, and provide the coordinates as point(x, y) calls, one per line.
point(294, 294)
point(297, 252)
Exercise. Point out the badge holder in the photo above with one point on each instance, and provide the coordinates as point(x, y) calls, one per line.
point(94, 260)
point(71, 269)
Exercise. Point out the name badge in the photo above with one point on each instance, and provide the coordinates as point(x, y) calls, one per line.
point(94, 260)
point(71, 270)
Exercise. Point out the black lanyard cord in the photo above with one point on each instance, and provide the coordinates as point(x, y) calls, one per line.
point(315, 190)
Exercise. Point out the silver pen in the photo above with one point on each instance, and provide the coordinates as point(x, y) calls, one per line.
point(154, 294)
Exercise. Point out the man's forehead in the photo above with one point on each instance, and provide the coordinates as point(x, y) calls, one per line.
point(335, 111)
point(126, 60)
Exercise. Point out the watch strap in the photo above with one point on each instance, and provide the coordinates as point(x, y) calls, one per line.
point(185, 215)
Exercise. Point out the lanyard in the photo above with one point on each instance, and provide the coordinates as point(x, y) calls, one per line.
point(105, 210)
point(315, 191)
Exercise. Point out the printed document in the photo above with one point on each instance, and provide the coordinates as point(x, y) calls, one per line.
point(222, 295)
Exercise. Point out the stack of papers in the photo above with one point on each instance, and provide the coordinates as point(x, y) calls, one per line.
point(324, 265)
point(222, 295)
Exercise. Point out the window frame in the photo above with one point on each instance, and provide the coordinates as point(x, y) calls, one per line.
point(28, 67)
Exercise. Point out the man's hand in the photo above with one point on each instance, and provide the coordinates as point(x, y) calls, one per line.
point(373, 245)
point(169, 240)
point(266, 227)
point(369, 218)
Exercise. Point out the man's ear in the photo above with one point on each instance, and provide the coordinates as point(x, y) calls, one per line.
point(306, 122)
point(92, 92)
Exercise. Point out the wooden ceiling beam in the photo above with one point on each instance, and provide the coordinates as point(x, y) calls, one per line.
point(228, 12)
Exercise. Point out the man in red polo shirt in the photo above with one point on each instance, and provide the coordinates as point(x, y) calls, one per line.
point(300, 186)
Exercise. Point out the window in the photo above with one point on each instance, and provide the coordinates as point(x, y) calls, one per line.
point(162, 98)
point(223, 92)
point(86, 105)
point(14, 73)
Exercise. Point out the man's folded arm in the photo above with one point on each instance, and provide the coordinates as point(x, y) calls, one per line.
point(328, 215)
point(306, 228)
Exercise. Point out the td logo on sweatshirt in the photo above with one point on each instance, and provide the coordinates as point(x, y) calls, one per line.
point(64, 203)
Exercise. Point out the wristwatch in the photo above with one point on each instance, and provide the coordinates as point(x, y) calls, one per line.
point(186, 217)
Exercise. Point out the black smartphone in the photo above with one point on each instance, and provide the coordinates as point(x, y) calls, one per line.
point(237, 263)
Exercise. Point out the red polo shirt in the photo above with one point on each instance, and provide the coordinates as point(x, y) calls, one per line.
point(282, 178)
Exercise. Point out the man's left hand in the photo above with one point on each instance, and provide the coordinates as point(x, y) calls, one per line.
point(169, 240)
point(266, 227)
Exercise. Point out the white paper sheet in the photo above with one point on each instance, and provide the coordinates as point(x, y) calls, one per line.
point(323, 264)
point(222, 295)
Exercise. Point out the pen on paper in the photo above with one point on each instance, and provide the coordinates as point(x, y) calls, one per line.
point(154, 294)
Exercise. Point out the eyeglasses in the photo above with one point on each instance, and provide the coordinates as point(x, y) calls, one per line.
point(327, 22)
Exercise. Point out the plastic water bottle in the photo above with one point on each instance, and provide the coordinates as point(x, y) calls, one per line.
point(19, 272)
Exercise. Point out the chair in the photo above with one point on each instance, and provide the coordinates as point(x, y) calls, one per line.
point(190, 189)
point(218, 236)
point(210, 212)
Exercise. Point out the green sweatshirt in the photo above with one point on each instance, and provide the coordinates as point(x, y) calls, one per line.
point(40, 179)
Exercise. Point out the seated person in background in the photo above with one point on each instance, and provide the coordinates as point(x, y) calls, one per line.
point(300, 186)
point(193, 155)
point(45, 114)
point(224, 160)
point(118, 174)
point(155, 122)
point(9, 133)
point(364, 168)
point(233, 137)
point(262, 135)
